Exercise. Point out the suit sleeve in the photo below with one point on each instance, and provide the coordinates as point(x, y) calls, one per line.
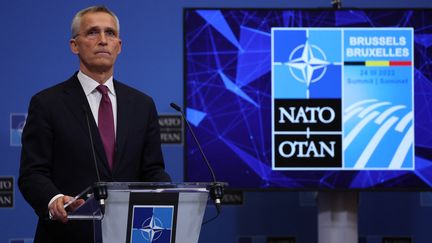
point(36, 158)
point(153, 167)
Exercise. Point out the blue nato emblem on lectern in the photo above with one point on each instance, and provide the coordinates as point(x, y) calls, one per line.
point(152, 224)
point(17, 122)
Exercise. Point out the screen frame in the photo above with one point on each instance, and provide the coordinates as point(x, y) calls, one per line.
point(418, 150)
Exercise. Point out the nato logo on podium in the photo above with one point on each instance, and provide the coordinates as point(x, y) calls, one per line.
point(152, 224)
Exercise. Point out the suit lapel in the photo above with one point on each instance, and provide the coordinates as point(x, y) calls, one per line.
point(75, 100)
point(124, 113)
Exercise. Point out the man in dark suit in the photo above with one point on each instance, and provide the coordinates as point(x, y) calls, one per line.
point(57, 159)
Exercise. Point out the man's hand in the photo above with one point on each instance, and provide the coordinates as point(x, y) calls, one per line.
point(57, 210)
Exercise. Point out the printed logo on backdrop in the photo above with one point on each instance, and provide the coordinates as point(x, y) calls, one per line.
point(6, 192)
point(21, 241)
point(342, 98)
point(171, 129)
point(17, 122)
point(152, 224)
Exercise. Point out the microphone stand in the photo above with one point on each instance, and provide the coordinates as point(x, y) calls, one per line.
point(100, 191)
point(217, 188)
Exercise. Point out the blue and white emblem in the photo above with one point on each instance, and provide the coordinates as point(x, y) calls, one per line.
point(342, 98)
point(17, 123)
point(152, 224)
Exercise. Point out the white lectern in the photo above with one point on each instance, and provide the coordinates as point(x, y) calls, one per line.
point(146, 212)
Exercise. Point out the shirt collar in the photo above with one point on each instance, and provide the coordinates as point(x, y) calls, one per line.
point(89, 85)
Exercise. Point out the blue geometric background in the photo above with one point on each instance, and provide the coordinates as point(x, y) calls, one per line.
point(228, 81)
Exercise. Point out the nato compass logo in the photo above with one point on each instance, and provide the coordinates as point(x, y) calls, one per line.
point(152, 224)
point(307, 64)
point(17, 122)
point(306, 76)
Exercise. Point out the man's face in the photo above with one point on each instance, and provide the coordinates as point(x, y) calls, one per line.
point(97, 43)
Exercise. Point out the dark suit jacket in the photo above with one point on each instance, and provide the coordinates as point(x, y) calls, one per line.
point(57, 158)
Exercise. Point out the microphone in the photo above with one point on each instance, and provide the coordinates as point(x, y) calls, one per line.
point(217, 188)
point(100, 191)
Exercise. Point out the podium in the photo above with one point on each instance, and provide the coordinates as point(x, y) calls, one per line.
point(145, 212)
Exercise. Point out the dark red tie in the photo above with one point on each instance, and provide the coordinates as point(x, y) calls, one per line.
point(106, 124)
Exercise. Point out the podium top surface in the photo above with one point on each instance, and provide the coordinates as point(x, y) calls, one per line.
point(90, 209)
point(155, 186)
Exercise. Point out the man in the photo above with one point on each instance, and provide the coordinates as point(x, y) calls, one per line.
point(57, 161)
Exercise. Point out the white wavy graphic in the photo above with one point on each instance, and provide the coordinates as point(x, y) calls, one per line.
point(383, 119)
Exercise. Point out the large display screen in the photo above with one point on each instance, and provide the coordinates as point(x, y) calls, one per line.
point(310, 99)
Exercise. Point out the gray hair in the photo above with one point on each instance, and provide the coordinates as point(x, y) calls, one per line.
point(76, 21)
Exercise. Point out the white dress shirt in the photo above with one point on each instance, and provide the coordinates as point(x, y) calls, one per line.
point(94, 97)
